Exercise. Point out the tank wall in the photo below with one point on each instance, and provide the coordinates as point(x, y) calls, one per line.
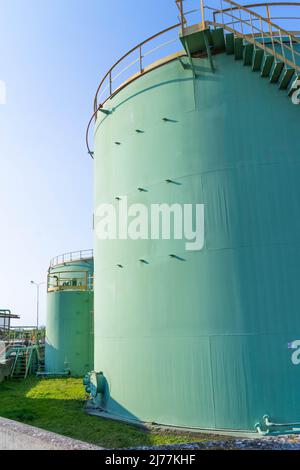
point(202, 342)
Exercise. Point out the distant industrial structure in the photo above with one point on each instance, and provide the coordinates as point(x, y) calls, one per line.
point(5, 322)
point(21, 349)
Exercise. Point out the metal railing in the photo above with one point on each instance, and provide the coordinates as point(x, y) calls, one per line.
point(191, 13)
point(243, 21)
point(70, 280)
point(20, 337)
point(269, 11)
point(71, 256)
point(262, 32)
point(125, 69)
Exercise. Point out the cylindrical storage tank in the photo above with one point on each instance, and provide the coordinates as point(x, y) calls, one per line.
point(201, 338)
point(70, 315)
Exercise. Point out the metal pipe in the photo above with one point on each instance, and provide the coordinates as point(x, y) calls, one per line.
point(260, 431)
point(269, 423)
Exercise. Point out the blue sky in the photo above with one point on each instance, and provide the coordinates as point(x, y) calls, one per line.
point(52, 56)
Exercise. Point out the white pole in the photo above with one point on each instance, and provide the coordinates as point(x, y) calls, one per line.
point(37, 307)
point(37, 285)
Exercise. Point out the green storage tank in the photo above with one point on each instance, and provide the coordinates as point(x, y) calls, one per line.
point(69, 327)
point(202, 339)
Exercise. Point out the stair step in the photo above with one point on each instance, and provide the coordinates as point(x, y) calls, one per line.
point(229, 43)
point(267, 65)
point(257, 59)
point(285, 78)
point(276, 71)
point(238, 48)
point(218, 39)
point(248, 54)
point(291, 87)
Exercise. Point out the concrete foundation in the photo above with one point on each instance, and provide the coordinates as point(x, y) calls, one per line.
point(18, 436)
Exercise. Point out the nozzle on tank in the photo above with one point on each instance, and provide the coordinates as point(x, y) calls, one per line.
point(104, 111)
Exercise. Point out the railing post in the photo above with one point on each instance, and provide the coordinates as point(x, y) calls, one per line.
point(181, 15)
point(271, 30)
point(202, 13)
point(268, 12)
point(110, 84)
point(262, 32)
point(292, 48)
point(241, 21)
point(282, 44)
point(141, 59)
point(222, 12)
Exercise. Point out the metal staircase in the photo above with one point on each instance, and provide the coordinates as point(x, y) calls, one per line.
point(24, 352)
point(25, 361)
point(247, 35)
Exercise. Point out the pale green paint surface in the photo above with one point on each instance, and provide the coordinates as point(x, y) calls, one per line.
point(69, 329)
point(202, 342)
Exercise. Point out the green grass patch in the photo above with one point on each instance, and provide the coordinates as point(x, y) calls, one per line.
point(57, 405)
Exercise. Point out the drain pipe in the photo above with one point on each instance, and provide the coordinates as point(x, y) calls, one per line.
point(260, 430)
point(269, 423)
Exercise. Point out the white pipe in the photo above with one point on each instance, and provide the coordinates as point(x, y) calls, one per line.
point(269, 423)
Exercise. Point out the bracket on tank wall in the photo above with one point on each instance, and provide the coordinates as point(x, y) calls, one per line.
point(186, 46)
point(104, 111)
point(197, 41)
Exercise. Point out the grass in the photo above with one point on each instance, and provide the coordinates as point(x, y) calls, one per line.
point(57, 405)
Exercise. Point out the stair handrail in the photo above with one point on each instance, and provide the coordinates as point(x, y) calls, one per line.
point(256, 5)
point(246, 9)
point(279, 31)
point(257, 43)
point(262, 33)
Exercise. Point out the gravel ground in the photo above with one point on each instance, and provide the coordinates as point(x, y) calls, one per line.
point(288, 442)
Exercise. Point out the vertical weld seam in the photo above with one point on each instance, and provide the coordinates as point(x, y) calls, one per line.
point(212, 382)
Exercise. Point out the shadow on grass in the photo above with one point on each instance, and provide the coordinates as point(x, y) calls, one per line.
point(57, 405)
